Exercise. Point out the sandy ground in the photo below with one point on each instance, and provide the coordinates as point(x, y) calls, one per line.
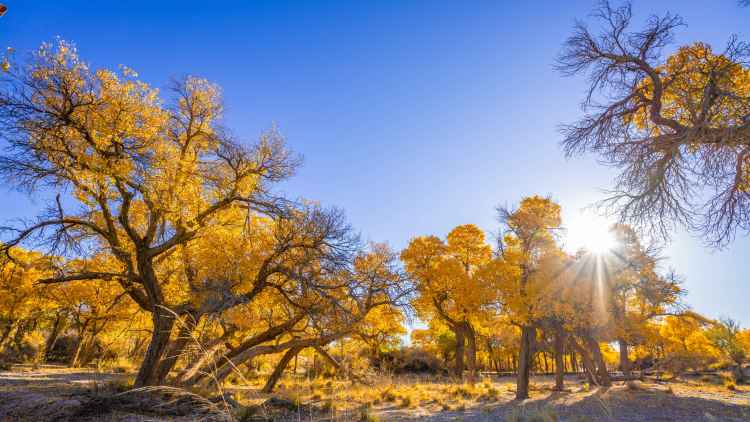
point(618, 403)
point(53, 393)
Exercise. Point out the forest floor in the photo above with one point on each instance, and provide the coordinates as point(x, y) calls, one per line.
point(55, 393)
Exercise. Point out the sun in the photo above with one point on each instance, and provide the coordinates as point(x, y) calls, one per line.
point(589, 232)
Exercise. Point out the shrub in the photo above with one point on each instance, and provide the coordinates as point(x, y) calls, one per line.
point(410, 360)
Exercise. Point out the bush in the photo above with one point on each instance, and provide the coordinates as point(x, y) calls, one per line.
point(410, 360)
point(19, 353)
point(63, 350)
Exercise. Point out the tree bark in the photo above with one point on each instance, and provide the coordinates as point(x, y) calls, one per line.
point(471, 350)
point(525, 356)
point(573, 360)
point(279, 369)
point(6, 333)
point(559, 344)
point(588, 364)
point(624, 361)
point(459, 334)
point(209, 364)
point(602, 373)
point(177, 346)
point(148, 373)
point(57, 327)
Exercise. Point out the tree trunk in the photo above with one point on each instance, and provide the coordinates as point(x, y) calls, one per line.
point(738, 374)
point(5, 336)
point(471, 351)
point(459, 369)
point(75, 361)
point(279, 369)
point(57, 327)
point(573, 361)
point(588, 364)
point(21, 330)
point(624, 361)
point(219, 363)
point(148, 373)
point(603, 375)
point(203, 362)
point(525, 356)
point(177, 346)
point(559, 344)
point(89, 350)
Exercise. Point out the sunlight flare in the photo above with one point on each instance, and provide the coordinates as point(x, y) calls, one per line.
point(590, 232)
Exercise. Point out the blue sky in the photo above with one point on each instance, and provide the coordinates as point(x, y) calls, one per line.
point(413, 116)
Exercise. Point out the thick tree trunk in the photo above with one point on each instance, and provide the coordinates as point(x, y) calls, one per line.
point(219, 363)
point(573, 360)
point(525, 356)
point(148, 373)
point(208, 358)
point(624, 361)
point(88, 352)
point(459, 369)
point(602, 373)
point(177, 346)
point(471, 351)
point(23, 327)
point(75, 361)
point(7, 330)
point(57, 327)
point(82, 336)
point(559, 344)
point(588, 364)
point(279, 369)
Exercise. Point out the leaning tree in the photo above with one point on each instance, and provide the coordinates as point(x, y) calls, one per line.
point(136, 178)
point(676, 126)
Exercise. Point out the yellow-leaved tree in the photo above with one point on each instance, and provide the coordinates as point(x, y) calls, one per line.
point(447, 287)
point(525, 271)
point(148, 177)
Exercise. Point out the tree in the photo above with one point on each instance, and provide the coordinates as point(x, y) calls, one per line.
point(677, 128)
point(636, 292)
point(725, 336)
point(22, 306)
point(685, 344)
point(528, 255)
point(148, 178)
point(329, 306)
point(447, 286)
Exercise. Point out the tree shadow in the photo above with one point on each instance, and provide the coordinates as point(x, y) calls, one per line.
point(622, 404)
point(42, 379)
point(614, 404)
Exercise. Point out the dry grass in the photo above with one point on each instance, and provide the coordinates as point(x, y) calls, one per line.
point(344, 400)
point(402, 398)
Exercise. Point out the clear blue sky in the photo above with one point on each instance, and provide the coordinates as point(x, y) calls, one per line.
point(412, 116)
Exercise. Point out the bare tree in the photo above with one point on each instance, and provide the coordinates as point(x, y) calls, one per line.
point(677, 128)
